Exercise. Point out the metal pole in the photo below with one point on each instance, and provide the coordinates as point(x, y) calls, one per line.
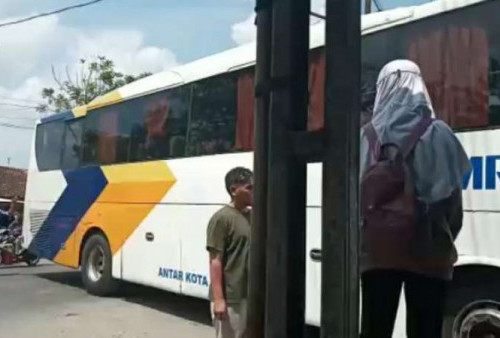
point(285, 293)
point(257, 277)
point(340, 272)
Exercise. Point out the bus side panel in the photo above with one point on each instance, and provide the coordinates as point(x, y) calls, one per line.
point(313, 242)
point(313, 268)
point(151, 255)
point(43, 219)
point(482, 186)
point(479, 236)
point(200, 192)
point(131, 213)
point(195, 263)
point(72, 212)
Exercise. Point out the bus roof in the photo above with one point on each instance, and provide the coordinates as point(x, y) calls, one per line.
point(244, 56)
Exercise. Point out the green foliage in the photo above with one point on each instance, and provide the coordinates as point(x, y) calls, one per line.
point(95, 78)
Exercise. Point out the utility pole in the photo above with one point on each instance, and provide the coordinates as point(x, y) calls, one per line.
point(286, 211)
point(340, 271)
point(283, 147)
point(257, 279)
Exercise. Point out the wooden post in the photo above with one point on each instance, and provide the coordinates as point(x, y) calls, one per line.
point(285, 293)
point(340, 272)
point(257, 277)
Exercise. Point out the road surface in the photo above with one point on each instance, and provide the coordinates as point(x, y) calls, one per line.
point(48, 301)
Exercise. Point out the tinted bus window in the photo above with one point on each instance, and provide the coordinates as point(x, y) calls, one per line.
point(458, 53)
point(157, 125)
point(147, 128)
point(49, 138)
point(245, 110)
point(103, 141)
point(213, 116)
point(72, 144)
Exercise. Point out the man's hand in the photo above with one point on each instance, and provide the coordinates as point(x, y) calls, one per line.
point(220, 309)
point(217, 277)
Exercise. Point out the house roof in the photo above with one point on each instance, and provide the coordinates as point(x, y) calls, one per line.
point(12, 182)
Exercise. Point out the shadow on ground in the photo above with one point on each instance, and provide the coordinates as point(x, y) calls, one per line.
point(189, 308)
point(193, 309)
point(9, 274)
point(20, 266)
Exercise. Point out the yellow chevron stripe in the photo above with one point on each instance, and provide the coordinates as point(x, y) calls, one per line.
point(133, 190)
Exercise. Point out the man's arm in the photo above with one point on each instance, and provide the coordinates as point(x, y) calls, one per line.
point(217, 280)
point(216, 246)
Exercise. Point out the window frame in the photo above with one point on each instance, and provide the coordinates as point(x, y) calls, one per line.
point(63, 148)
point(37, 144)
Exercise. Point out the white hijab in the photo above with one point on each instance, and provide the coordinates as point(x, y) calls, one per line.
point(439, 161)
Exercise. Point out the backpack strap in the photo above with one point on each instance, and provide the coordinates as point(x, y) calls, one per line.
point(417, 133)
point(373, 142)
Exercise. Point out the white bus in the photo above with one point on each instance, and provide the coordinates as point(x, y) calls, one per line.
point(124, 187)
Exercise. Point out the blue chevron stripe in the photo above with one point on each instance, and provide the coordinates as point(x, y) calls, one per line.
point(83, 188)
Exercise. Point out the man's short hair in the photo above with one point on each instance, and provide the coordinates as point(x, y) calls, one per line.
point(238, 176)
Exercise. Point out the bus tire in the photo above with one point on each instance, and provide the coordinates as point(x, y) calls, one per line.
point(472, 311)
point(97, 266)
point(32, 259)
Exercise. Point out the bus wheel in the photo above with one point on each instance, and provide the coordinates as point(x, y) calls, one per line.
point(96, 267)
point(32, 259)
point(472, 312)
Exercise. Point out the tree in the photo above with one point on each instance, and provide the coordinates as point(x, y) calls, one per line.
point(96, 77)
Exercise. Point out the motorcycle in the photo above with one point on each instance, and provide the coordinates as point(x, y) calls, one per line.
point(11, 250)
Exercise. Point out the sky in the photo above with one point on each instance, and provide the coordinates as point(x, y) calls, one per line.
point(138, 35)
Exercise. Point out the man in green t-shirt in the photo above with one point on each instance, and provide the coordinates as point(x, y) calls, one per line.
point(228, 244)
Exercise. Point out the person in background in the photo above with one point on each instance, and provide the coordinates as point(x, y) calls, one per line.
point(6, 217)
point(411, 181)
point(228, 244)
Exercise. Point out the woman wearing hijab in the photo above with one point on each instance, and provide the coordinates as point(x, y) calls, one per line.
point(434, 166)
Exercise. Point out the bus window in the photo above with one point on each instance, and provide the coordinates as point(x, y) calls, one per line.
point(458, 53)
point(245, 110)
point(213, 116)
point(72, 144)
point(158, 125)
point(316, 112)
point(103, 143)
point(147, 128)
point(494, 82)
point(49, 138)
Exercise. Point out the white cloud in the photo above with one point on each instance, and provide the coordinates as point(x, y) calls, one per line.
point(28, 50)
point(245, 31)
point(28, 91)
point(126, 49)
point(24, 47)
point(17, 141)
